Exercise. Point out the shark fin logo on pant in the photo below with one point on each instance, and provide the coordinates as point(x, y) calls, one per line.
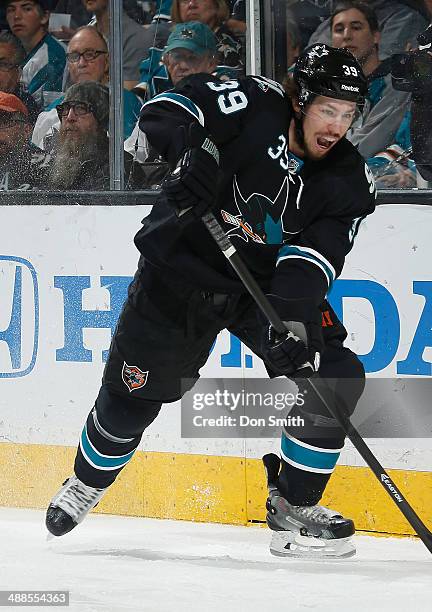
point(133, 377)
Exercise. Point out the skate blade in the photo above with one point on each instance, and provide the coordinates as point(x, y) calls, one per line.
point(290, 544)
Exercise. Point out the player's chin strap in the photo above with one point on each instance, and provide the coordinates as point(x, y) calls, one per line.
point(339, 413)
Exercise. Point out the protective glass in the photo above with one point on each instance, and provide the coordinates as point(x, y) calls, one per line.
point(79, 108)
point(7, 66)
point(89, 55)
point(182, 56)
point(9, 120)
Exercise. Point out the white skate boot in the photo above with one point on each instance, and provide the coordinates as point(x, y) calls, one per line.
point(71, 505)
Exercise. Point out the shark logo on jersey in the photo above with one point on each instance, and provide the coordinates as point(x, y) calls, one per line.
point(259, 218)
point(133, 377)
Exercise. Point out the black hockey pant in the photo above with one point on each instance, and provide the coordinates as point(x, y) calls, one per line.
point(164, 335)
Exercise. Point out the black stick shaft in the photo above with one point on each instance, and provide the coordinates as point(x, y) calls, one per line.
point(245, 276)
point(267, 309)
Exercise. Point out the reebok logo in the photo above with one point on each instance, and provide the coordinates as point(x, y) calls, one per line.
point(350, 88)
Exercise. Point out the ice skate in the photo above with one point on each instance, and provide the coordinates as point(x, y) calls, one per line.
point(71, 505)
point(312, 532)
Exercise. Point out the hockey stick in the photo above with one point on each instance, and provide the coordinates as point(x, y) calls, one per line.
point(228, 249)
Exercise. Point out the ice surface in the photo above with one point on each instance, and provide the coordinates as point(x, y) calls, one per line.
point(114, 564)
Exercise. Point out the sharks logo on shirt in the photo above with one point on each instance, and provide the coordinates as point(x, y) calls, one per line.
point(259, 218)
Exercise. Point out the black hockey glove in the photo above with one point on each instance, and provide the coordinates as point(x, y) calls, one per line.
point(297, 353)
point(192, 186)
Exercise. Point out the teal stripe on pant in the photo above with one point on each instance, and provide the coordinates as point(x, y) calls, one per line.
point(310, 459)
point(99, 460)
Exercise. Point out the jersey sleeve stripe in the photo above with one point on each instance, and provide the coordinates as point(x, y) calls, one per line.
point(179, 100)
point(308, 254)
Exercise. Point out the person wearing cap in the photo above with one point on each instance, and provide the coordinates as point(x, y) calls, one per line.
point(22, 165)
point(155, 77)
point(81, 160)
point(191, 49)
point(156, 69)
point(44, 65)
point(87, 60)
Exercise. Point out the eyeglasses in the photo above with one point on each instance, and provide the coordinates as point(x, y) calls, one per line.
point(7, 66)
point(89, 55)
point(79, 108)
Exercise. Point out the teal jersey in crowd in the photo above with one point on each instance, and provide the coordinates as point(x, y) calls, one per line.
point(44, 67)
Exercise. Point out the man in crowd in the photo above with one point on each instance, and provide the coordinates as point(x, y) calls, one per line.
point(400, 21)
point(292, 210)
point(22, 165)
point(12, 56)
point(44, 65)
point(382, 133)
point(191, 49)
point(82, 156)
point(134, 45)
point(87, 60)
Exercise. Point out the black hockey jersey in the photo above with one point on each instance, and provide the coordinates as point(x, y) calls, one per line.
point(292, 222)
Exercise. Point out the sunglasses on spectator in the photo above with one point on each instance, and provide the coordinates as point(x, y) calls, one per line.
point(7, 66)
point(79, 108)
point(89, 55)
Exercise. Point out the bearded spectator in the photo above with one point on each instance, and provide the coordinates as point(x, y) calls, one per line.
point(81, 161)
point(22, 166)
point(87, 60)
point(45, 62)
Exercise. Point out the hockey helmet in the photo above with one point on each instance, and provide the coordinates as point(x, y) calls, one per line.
point(321, 70)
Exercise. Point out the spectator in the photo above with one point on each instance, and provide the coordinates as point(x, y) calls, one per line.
point(213, 13)
point(399, 25)
point(191, 49)
point(354, 26)
point(134, 48)
point(12, 56)
point(87, 60)
point(81, 160)
point(44, 65)
point(22, 166)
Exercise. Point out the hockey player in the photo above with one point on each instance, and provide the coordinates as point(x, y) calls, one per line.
point(292, 213)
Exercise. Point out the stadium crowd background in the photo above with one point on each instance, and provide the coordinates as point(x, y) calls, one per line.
point(54, 79)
